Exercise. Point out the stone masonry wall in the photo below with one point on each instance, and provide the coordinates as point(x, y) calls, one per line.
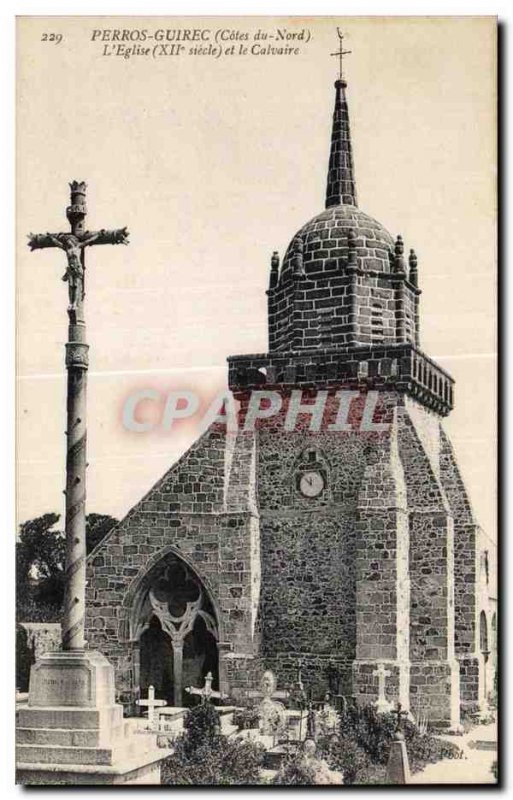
point(361, 574)
point(308, 545)
point(336, 309)
point(466, 575)
point(434, 678)
point(382, 585)
point(185, 513)
point(307, 605)
point(338, 286)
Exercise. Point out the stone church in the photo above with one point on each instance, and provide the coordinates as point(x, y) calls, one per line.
point(336, 548)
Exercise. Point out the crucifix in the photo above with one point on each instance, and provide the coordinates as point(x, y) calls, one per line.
point(297, 693)
point(207, 693)
point(382, 704)
point(341, 53)
point(74, 243)
point(398, 768)
point(401, 714)
point(151, 704)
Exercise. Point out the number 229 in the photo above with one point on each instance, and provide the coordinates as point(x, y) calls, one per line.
point(56, 38)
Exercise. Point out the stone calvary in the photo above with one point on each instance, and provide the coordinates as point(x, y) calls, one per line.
point(72, 730)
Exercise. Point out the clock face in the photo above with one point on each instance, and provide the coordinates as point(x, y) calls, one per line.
point(311, 483)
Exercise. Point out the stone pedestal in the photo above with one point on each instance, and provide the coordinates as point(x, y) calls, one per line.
point(73, 732)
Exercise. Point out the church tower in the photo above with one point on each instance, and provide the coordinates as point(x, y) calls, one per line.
point(344, 282)
point(370, 566)
point(331, 528)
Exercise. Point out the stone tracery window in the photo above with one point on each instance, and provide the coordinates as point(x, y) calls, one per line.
point(178, 604)
point(177, 599)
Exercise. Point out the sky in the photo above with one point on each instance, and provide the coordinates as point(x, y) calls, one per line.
point(213, 163)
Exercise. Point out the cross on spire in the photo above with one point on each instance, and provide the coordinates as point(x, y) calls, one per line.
point(341, 186)
point(341, 53)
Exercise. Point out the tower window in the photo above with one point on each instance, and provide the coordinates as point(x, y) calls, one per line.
point(377, 331)
point(325, 323)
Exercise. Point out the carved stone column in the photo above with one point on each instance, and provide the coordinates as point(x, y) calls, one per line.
point(77, 363)
point(177, 672)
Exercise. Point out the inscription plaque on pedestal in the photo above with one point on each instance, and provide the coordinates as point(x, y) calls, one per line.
point(72, 679)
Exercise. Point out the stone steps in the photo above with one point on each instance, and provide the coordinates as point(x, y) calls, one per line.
point(84, 739)
point(74, 717)
point(142, 768)
point(58, 754)
point(63, 737)
point(58, 750)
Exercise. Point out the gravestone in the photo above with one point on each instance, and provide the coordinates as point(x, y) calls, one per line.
point(206, 693)
point(327, 719)
point(382, 704)
point(273, 718)
point(152, 704)
point(398, 768)
point(271, 713)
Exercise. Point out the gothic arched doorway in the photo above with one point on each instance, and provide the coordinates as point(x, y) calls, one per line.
point(175, 625)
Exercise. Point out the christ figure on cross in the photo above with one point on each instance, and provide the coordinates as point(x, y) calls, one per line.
point(74, 274)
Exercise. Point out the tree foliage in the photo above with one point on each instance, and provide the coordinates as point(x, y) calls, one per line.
point(40, 560)
point(24, 659)
point(97, 528)
point(40, 554)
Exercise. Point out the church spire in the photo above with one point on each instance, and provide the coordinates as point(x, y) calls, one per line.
point(341, 187)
